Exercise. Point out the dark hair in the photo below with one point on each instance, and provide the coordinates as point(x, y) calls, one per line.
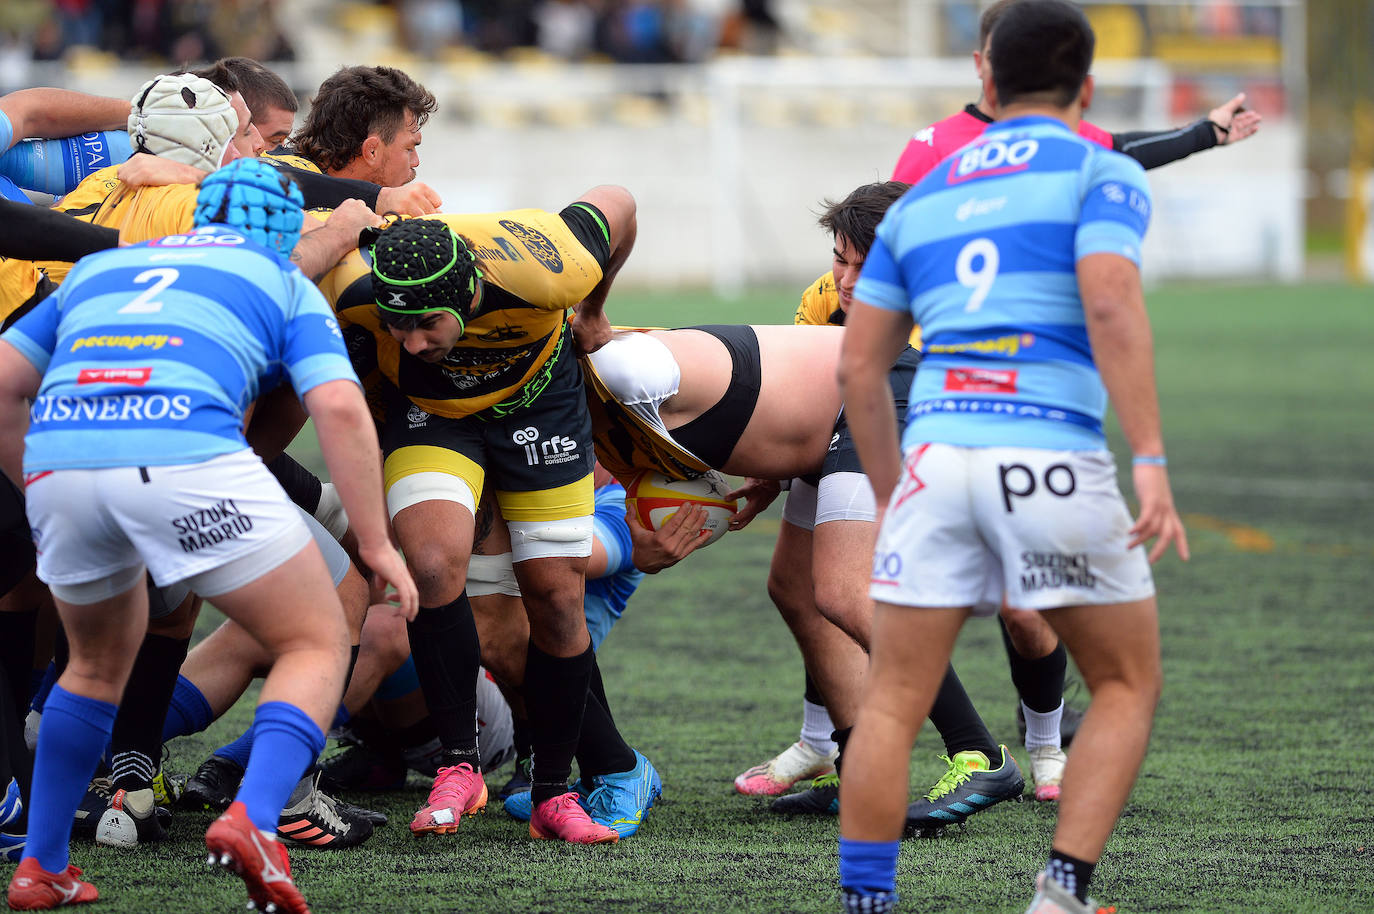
point(354, 103)
point(260, 87)
point(856, 217)
point(988, 20)
point(220, 75)
point(1041, 51)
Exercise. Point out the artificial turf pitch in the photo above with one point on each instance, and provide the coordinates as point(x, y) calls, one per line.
point(1256, 794)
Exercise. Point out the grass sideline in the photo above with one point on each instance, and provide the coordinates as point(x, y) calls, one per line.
point(1255, 795)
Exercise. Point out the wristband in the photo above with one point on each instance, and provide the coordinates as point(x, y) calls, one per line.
point(1149, 460)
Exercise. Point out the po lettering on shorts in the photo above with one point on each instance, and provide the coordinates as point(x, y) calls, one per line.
point(207, 527)
point(1018, 481)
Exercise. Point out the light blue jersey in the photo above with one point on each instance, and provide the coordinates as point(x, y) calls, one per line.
point(983, 254)
point(151, 354)
point(8, 189)
point(608, 595)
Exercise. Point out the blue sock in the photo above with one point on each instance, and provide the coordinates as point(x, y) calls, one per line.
point(285, 742)
point(868, 867)
point(40, 694)
point(341, 717)
point(238, 751)
point(70, 739)
point(188, 713)
point(402, 682)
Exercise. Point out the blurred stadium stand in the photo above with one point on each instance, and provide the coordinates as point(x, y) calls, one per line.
point(732, 120)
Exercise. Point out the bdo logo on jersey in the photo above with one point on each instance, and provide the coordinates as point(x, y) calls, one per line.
point(993, 157)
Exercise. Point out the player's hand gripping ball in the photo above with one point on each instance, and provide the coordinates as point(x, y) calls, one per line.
point(654, 499)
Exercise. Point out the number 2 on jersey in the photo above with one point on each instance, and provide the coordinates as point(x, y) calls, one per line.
point(979, 280)
point(161, 278)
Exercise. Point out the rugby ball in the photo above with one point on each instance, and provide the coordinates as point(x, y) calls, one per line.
point(654, 499)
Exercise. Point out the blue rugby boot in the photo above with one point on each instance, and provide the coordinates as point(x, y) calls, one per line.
point(12, 806)
point(620, 801)
point(519, 805)
point(968, 787)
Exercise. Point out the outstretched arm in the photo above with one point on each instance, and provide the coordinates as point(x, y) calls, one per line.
point(1227, 123)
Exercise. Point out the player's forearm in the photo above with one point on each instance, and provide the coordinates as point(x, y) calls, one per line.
point(14, 419)
point(1153, 148)
point(348, 443)
point(50, 113)
point(1123, 349)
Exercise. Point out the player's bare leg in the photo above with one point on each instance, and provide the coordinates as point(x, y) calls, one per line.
point(1117, 649)
point(911, 649)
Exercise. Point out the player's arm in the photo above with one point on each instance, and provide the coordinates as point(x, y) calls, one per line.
point(1123, 349)
point(51, 113)
point(873, 338)
point(19, 381)
point(348, 443)
point(323, 245)
point(1227, 123)
point(591, 328)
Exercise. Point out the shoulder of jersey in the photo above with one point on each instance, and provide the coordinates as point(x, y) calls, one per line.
point(290, 158)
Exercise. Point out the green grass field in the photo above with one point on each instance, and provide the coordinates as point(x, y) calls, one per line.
point(1256, 795)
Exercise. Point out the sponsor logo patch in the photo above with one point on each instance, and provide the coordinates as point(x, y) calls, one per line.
point(981, 380)
point(134, 376)
point(129, 341)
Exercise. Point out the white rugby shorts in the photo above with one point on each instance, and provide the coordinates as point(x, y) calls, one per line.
point(972, 526)
point(840, 496)
point(222, 523)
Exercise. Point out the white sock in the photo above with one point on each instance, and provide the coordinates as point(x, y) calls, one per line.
point(817, 727)
point(1042, 729)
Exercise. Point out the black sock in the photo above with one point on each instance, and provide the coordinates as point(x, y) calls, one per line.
point(521, 736)
point(597, 689)
point(601, 749)
point(555, 697)
point(841, 738)
point(417, 734)
point(443, 641)
point(958, 721)
point(16, 655)
point(812, 694)
point(1039, 681)
point(353, 650)
point(1070, 872)
point(136, 741)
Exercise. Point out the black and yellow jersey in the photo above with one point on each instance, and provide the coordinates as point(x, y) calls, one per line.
point(820, 305)
point(138, 213)
point(535, 266)
point(295, 161)
point(19, 280)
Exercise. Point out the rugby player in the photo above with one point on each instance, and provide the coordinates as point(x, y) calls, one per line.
point(1006, 491)
point(197, 505)
point(385, 107)
point(828, 528)
point(1227, 123)
point(622, 553)
point(459, 326)
point(1035, 655)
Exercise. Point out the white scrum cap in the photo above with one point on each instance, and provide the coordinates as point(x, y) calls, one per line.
point(184, 118)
